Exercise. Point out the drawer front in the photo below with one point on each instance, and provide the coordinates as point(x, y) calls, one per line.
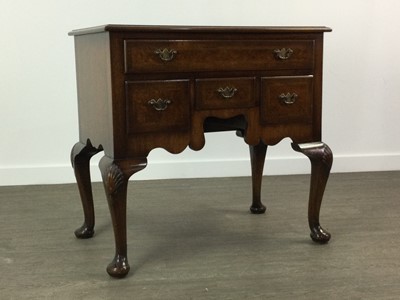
point(286, 99)
point(225, 93)
point(159, 105)
point(234, 55)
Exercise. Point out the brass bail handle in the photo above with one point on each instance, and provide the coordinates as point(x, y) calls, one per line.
point(284, 53)
point(288, 98)
point(166, 54)
point(159, 104)
point(227, 92)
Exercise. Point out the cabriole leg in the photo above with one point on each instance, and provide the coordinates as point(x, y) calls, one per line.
point(80, 159)
point(321, 159)
point(257, 157)
point(115, 175)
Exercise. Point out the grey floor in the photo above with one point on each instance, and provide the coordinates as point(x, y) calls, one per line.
point(195, 239)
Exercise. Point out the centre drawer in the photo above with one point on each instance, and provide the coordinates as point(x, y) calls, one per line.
point(225, 93)
point(142, 56)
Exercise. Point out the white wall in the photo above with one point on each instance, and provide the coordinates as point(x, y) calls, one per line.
point(38, 112)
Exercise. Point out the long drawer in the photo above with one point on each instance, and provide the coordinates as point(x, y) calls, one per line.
point(146, 56)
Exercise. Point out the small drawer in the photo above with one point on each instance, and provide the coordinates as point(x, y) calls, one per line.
point(225, 93)
point(286, 99)
point(159, 105)
point(143, 56)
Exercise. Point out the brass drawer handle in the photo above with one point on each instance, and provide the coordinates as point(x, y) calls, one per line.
point(288, 98)
point(284, 53)
point(227, 92)
point(159, 104)
point(166, 54)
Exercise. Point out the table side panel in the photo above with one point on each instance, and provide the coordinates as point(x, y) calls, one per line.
point(94, 90)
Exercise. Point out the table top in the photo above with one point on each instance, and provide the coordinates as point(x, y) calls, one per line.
point(204, 29)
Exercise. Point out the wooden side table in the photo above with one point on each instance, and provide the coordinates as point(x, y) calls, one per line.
point(143, 87)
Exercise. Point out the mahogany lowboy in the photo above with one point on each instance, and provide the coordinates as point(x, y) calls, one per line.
point(143, 87)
